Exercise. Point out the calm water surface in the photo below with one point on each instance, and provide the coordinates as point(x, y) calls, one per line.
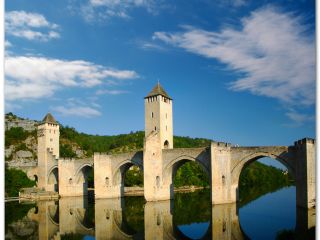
point(188, 216)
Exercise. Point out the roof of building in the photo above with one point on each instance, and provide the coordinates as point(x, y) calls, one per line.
point(158, 90)
point(49, 119)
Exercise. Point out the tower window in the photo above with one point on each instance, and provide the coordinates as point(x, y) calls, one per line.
point(155, 128)
point(152, 115)
point(158, 181)
point(166, 144)
point(51, 139)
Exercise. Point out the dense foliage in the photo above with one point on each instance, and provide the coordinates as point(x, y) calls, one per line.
point(16, 135)
point(15, 180)
point(19, 210)
point(191, 174)
point(133, 177)
point(66, 151)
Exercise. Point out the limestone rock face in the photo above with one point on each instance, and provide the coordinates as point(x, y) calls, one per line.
point(23, 154)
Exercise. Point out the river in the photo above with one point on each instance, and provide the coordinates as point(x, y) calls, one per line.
point(188, 216)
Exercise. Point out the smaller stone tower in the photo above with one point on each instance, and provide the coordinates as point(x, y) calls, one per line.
point(48, 148)
point(158, 115)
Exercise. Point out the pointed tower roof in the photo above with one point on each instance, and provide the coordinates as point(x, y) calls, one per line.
point(158, 90)
point(49, 119)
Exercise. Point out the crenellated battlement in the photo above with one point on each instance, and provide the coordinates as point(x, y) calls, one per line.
point(304, 141)
point(220, 144)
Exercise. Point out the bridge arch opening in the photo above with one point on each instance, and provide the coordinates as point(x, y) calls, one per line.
point(186, 174)
point(258, 177)
point(85, 177)
point(129, 176)
point(53, 179)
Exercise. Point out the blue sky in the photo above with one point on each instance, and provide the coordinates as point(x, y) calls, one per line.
point(240, 71)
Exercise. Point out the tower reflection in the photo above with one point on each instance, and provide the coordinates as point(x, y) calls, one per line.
point(132, 219)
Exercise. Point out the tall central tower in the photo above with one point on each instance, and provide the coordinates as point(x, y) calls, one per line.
point(158, 115)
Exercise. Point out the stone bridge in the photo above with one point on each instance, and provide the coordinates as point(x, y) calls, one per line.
point(159, 161)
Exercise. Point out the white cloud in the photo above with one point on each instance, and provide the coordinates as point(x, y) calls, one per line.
point(110, 92)
point(299, 118)
point(34, 77)
point(151, 46)
point(78, 111)
point(272, 51)
point(32, 26)
point(86, 108)
point(105, 9)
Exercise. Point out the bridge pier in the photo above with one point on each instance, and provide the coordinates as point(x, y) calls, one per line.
point(222, 189)
point(156, 187)
point(105, 184)
point(73, 177)
point(305, 158)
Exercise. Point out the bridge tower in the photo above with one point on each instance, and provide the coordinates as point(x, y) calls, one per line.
point(158, 115)
point(158, 136)
point(48, 153)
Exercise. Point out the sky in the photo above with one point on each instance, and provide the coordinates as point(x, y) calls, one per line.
point(240, 71)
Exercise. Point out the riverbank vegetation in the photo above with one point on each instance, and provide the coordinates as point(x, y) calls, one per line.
point(15, 180)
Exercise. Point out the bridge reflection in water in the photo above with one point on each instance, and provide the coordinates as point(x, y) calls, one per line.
point(109, 219)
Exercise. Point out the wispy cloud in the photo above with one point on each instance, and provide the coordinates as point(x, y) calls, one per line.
point(31, 26)
point(79, 111)
point(94, 10)
point(151, 46)
point(272, 50)
point(110, 92)
point(79, 108)
point(233, 3)
point(299, 118)
point(34, 77)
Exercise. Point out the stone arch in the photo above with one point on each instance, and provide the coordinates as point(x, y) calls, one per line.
point(121, 226)
point(121, 169)
point(53, 214)
point(80, 218)
point(81, 178)
point(53, 178)
point(172, 167)
point(80, 172)
point(245, 161)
